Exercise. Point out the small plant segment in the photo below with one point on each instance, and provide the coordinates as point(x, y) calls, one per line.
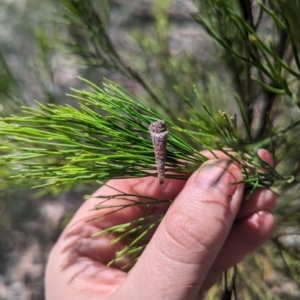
point(159, 136)
point(182, 107)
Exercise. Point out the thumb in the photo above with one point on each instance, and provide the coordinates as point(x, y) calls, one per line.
point(185, 245)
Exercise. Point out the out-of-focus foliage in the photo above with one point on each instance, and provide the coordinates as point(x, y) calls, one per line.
point(246, 66)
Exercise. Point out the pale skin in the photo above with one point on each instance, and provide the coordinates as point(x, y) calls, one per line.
point(207, 229)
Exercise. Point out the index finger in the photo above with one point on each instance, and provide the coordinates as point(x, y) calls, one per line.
point(147, 187)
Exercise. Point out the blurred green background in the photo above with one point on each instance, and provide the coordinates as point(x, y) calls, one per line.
point(40, 60)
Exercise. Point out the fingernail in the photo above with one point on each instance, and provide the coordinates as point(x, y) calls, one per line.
point(218, 176)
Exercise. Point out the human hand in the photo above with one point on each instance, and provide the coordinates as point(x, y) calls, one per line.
point(206, 230)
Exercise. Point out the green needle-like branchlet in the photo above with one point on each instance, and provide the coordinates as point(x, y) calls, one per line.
point(107, 137)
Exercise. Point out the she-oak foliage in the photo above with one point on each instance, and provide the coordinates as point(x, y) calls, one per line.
point(108, 135)
point(108, 138)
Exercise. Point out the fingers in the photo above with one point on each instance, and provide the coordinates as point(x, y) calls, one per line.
point(266, 156)
point(253, 227)
point(185, 245)
point(262, 199)
point(246, 236)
